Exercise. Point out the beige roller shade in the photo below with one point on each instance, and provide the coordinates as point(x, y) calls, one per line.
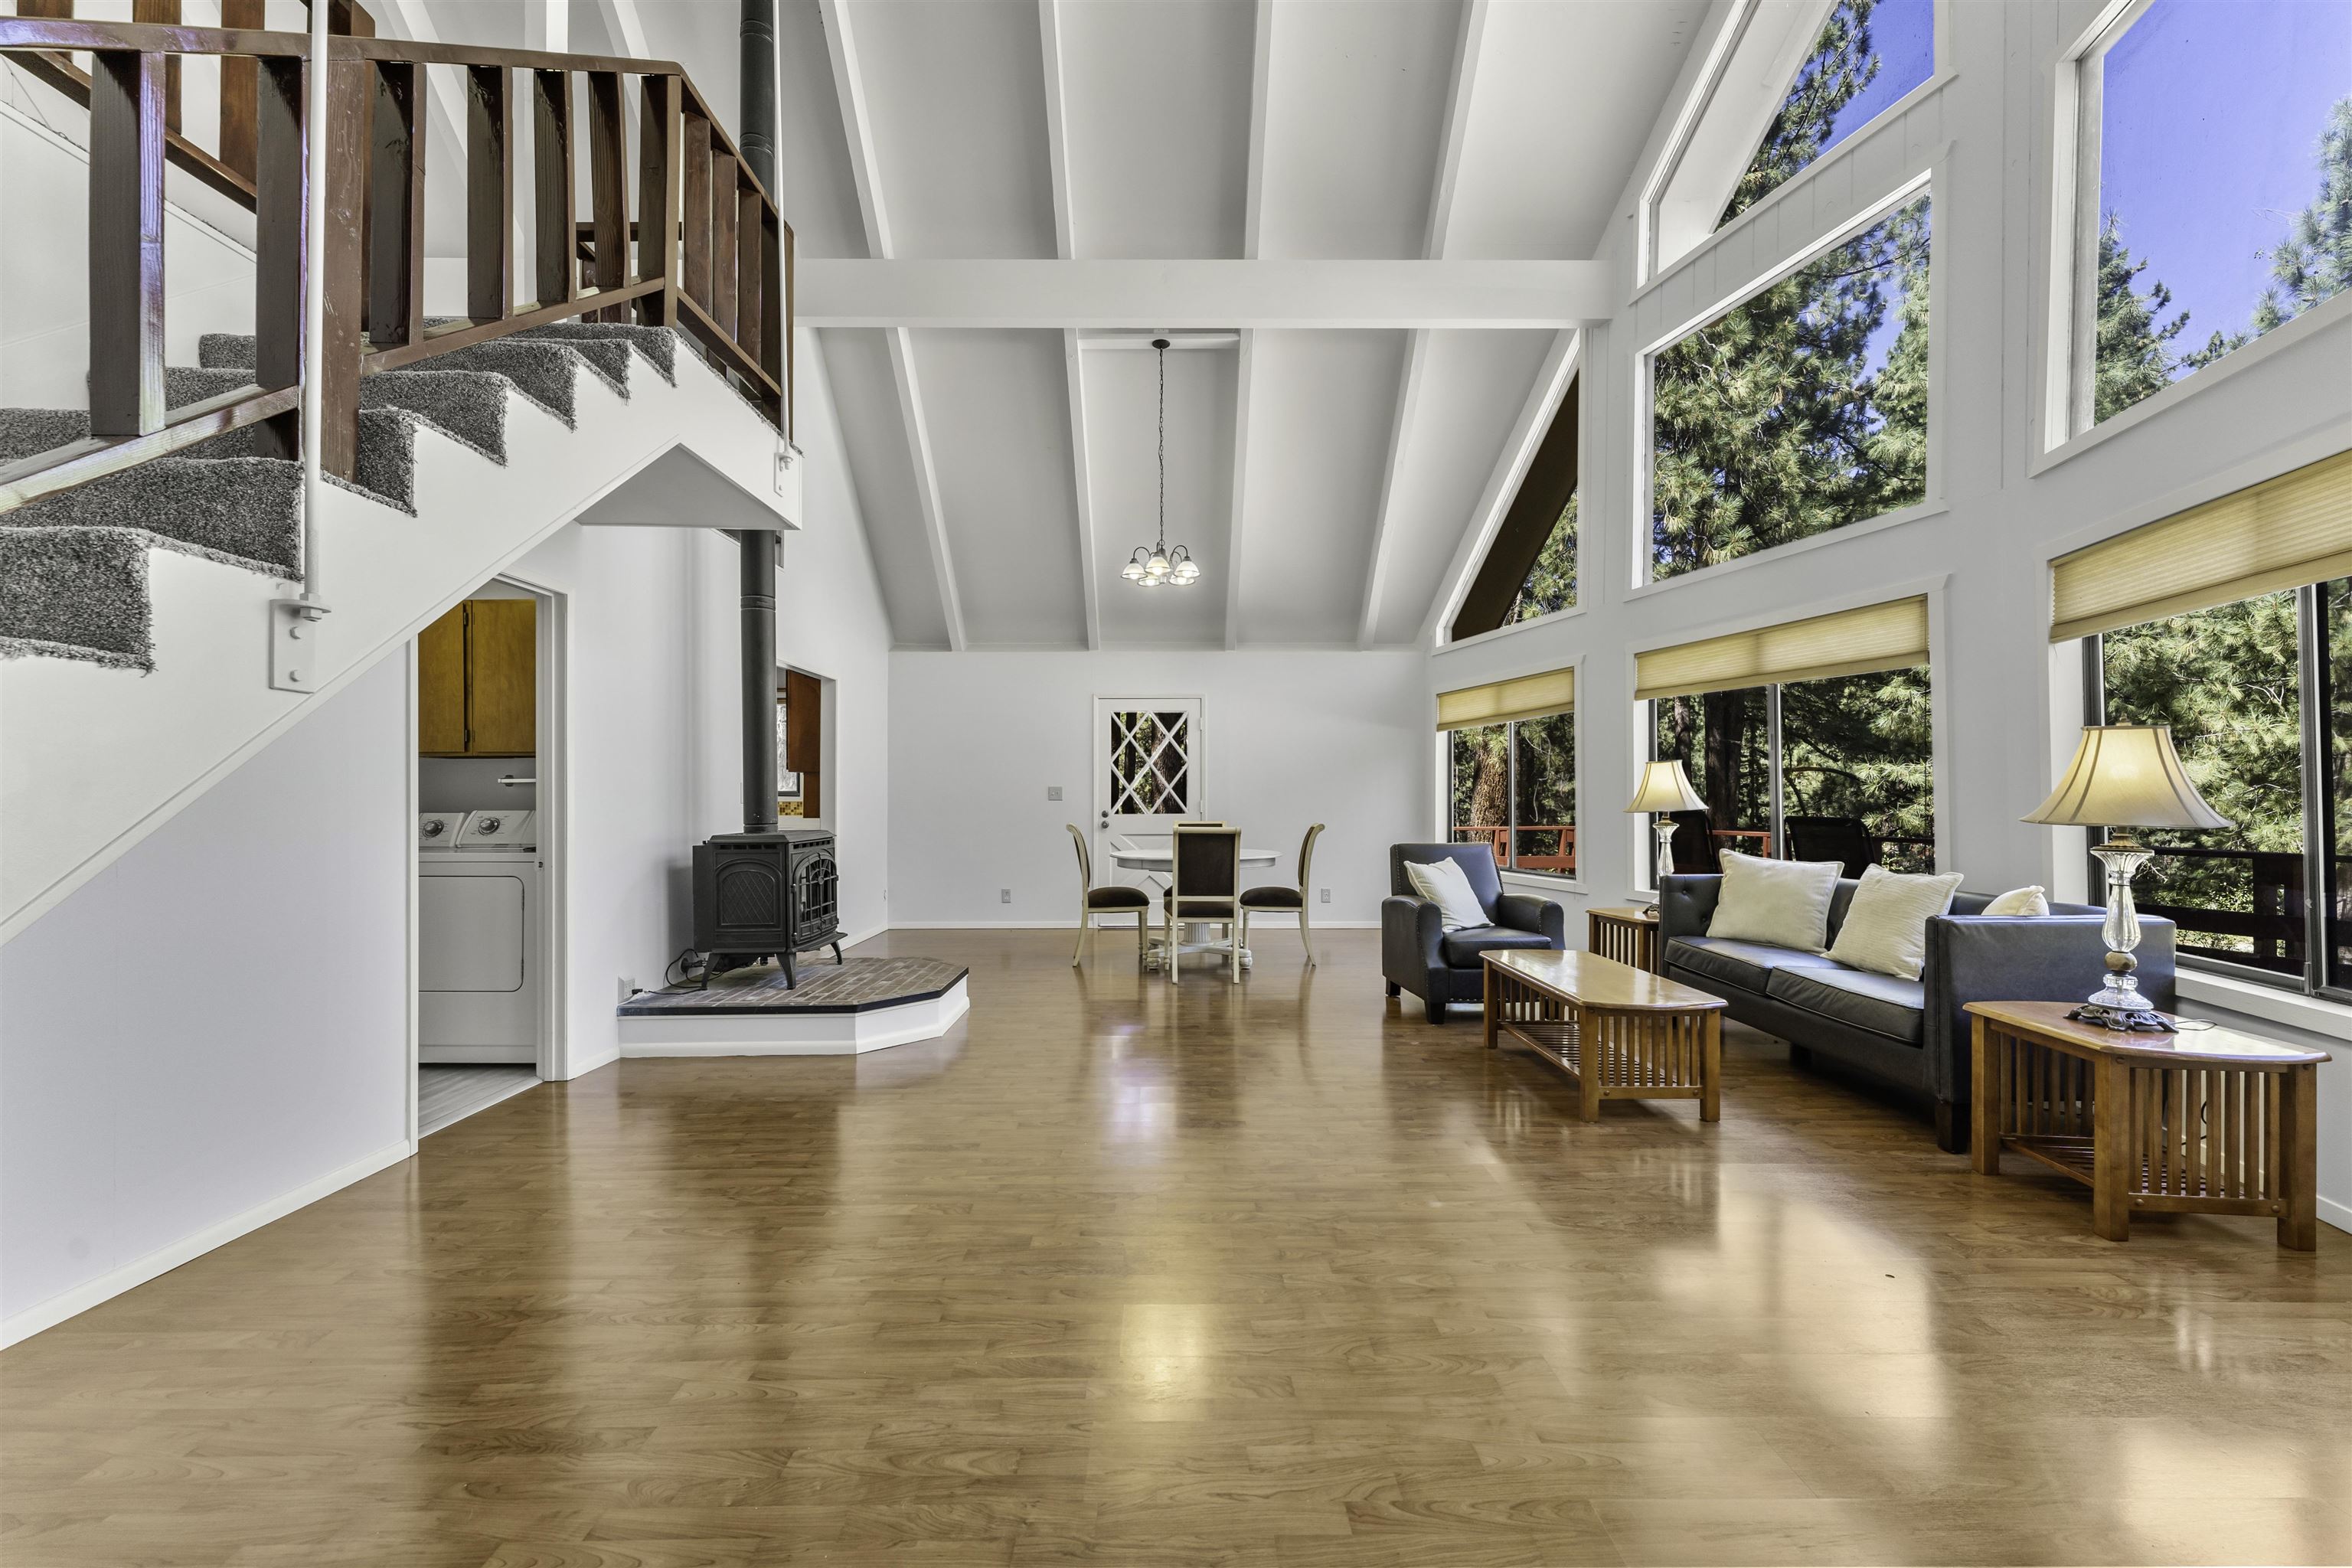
point(2281, 534)
point(1527, 697)
point(1851, 642)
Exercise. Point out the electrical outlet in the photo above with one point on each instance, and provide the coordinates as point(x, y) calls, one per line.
point(1003, 895)
point(1053, 792)
point(628, 986)
point(1326, 896)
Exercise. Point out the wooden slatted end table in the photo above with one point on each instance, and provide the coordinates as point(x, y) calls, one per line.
point(2207, 1122)
point(1629, 936)
point(1618, 1032)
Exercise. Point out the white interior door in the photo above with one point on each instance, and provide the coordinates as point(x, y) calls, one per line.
point(1146, 772)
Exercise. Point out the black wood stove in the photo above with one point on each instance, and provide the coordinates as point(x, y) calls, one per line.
point(758, 895)
point(765, 891)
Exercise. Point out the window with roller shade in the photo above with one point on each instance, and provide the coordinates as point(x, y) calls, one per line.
point(2232, 622)
point(1812, 738)
point(1510, 750)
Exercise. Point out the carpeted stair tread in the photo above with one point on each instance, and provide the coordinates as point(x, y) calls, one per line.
point(29, 432)
point(469, 406)
point(226, 351)
point(184, 384)
point(75, 593)
point(658, 345)
point(241, 511)
point(545, 374)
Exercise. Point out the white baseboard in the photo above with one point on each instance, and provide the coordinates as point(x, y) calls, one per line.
point(162, 1261)
point(852, 938)
point(2335, 1213)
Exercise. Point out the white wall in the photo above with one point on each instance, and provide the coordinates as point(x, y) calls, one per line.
point(215, 1022)
point(213, 1030)
point(2005, 701)
point(1290, 739)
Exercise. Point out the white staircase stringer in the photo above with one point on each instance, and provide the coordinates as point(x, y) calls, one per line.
point(93, 760)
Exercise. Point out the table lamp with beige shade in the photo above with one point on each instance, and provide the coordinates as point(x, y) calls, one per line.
point(1663, 787)
point(2125, 777)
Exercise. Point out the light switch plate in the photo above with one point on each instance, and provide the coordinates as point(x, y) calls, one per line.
point(1326, 895)
point(1053, 792)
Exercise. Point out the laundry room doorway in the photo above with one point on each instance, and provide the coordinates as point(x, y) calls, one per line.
point(487, 949)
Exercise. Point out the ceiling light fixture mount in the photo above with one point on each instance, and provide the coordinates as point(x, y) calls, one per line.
point(1154, 565)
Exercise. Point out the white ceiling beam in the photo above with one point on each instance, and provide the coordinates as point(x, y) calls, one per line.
point(547, 25)
point(1057, 145)
point(1057, 158)
point(626, 27)
point(849, 91)
point(1459, 94)
point(1244, 360)
point(1253, 186)
point(1510, 467)
point(1073, 362)
point(926, 483)
point(1385, 527)
point(1218, 294)
point(858, 125)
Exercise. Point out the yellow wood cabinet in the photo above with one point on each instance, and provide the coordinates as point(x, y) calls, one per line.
point(478, 680)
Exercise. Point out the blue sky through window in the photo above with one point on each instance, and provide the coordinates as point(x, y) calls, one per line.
point(2209, 125)
point(1902, 34)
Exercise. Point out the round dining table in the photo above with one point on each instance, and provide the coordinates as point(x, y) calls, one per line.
point(1161, 863)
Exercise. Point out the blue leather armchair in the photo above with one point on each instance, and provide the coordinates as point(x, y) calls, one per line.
point(1418, 955)
point(1911, 1034)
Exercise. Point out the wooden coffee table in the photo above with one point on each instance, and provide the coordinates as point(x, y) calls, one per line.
point(2209, 1122)
point(1620, 1032)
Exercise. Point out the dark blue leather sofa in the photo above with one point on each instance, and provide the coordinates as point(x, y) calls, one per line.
point(1909, 1033)
point(1418, 955)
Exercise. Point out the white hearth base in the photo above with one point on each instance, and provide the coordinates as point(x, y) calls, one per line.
point(792, 1032)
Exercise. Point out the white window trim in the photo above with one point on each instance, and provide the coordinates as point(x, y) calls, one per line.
point(1927, 182)
point(1513, 627)
point(2293, 1008)
point(1648, 270)
point(2311, 322)
point(2065, 417)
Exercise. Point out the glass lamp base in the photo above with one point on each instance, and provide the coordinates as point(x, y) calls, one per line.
point(2122, 990)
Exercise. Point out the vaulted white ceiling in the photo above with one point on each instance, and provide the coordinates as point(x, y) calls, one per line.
point(1326, 476)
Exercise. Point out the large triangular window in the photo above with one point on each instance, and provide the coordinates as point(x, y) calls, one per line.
point(1529, 570)
point(1868, 54)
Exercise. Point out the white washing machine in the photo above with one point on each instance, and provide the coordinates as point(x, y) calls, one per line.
point(477, 936)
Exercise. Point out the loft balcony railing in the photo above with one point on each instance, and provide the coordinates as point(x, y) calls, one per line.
point(709, 254)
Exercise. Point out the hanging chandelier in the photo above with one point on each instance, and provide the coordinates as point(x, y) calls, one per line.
point(1154, 564)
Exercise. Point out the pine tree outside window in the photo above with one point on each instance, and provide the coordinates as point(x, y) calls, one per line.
point(1869, 53)
point(1854, 753)
point(1512, 787)
point(1802, 408)
point(2213, 190)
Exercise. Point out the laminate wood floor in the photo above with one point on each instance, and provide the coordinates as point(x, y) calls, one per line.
point(1275, 1274)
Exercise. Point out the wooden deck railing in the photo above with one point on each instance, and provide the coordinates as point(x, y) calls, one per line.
point(713, 255)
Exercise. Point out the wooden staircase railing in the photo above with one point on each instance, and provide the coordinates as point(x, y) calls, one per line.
point(713, 255)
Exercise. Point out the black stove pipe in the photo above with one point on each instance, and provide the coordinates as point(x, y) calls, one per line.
point(759, 546)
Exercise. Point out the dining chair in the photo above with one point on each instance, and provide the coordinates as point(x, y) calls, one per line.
point(1204, 884)
point(1115, 899)
point(1275, 898)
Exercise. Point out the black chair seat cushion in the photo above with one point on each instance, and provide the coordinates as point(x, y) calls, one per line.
point(1882, 1004)
point(1199, 909)
point(1746, 965)
point(1274, 898)
point(1462, 948)
point(1115, 898)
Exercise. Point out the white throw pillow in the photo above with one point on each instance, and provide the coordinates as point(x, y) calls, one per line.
point(2020, 901)
point(1443, 883)
point(1783, 902)
point(1886, 928)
